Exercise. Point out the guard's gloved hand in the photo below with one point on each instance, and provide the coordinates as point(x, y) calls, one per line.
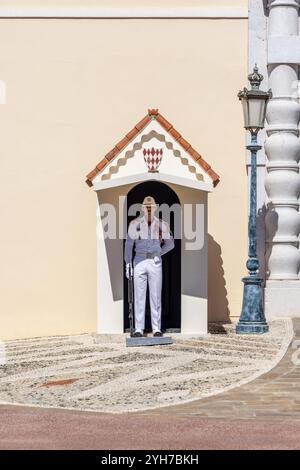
point(128, 270)
point(156, 259)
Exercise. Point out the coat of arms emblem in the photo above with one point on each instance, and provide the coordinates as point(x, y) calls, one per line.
point(153, 157)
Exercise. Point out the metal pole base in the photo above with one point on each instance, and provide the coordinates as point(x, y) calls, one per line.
point(251, 328)
point(252, 319)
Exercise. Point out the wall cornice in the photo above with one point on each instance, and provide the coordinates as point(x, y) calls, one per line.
point(118, 13)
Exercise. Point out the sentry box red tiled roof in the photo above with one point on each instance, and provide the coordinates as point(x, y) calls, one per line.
point(152, 114)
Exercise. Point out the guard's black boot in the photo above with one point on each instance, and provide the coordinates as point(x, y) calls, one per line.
point(137, 334)
point(158, 334)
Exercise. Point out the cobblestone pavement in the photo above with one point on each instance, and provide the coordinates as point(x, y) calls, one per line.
point(272, 396)
point(88, 372)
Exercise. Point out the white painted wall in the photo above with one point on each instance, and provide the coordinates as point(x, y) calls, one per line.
point(193, 270)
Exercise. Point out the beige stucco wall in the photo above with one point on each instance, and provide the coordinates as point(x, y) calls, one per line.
point(73, 89)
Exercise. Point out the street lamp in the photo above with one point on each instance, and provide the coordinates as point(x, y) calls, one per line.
point(254, 101)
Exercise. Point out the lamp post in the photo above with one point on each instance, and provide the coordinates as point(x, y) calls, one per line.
point(254, 101)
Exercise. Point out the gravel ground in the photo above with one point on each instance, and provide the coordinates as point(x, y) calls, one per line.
point(98, 373)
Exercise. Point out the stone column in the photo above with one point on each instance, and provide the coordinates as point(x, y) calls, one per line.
point(282, 183)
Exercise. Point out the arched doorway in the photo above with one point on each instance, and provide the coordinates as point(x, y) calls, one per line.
point(171, 292)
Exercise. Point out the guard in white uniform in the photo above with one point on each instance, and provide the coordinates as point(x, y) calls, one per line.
point(151, 238)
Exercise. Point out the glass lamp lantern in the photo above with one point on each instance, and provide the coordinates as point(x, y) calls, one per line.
point(254, 103)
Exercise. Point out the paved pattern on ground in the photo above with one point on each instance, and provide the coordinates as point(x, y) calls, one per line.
point(98, 373)
point(274, 396)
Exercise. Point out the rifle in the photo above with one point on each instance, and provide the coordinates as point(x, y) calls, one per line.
point(130, 299)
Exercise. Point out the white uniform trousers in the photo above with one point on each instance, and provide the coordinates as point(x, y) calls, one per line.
point(147, 271)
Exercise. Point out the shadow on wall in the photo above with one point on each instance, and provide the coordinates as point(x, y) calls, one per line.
point(261, 239)
point(218, 310)
point(271, 221)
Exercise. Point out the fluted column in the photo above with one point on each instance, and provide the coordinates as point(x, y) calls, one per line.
point(282, 148)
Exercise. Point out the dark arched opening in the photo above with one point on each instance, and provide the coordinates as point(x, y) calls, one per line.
point(171, 291)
